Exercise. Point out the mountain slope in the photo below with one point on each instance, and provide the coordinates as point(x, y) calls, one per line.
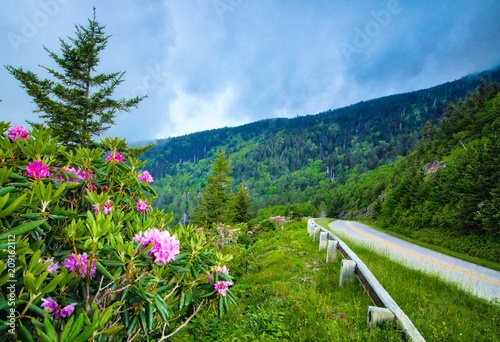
point(299, 160)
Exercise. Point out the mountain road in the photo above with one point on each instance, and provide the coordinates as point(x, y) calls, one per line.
point(481, 281)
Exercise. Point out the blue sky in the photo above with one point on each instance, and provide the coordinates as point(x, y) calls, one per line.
point(213, 63)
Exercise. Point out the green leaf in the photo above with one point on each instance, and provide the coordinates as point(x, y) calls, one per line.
point(29, 282)
point(49, 329)
point(22, 229)
point(13, 206)
point(43, 337)
point(113, 330)
point(162, 308)
point(24, 334)
point(53, 283)
point(67, 328)
point(6, 190)
point(34, 260)
point(104, 271)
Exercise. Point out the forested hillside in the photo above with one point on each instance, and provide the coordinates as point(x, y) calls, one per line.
point(302, 159)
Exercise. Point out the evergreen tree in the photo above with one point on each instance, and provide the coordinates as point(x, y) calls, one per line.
point(76, 103)
point(215, 204)
point(242, 205)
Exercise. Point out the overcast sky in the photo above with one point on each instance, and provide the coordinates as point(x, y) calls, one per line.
point(214, 63)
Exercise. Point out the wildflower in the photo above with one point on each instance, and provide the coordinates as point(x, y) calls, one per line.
point(142, 206)
point(79, 263)
point(95, 208)
point(115, 157)
point(49, 304)
point(165, 247)
point(17, 132)
point(145, 176)
point(222, 286)
point(37, 170)
point(105, 188)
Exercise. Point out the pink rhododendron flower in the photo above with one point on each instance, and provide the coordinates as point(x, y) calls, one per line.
point(53, 307)
point(145, 176)
point(66, 311)
point(165, 247)
point(37, 170)
point(95, 208)
point(49, 304)
point(77, 175)
point(115, 157)
point(219, 269)
point(79, 263)
point(54, 266)
point(222, 286)
point(17, 132)
point(107, 207)
point(142, 206)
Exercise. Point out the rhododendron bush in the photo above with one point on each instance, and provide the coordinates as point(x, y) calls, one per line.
point(83, 253)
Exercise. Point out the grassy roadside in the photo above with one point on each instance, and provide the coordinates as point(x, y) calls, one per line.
point(465, 257)
point(287, 292)
point(441, 311)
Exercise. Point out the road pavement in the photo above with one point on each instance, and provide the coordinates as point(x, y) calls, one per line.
point(481, 281)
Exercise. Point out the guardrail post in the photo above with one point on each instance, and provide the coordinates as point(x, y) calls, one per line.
point(378, 316)
point(331, 251)
point(317, 232)
point(347, 272)
point(310, 227)
point(323, 240)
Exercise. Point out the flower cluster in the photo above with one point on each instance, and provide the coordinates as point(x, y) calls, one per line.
point(79, 263)
point(17, 132)
point(145, 176)
point(78, 175)
point(52, 307)
point(115, 157)
point(165, 247)
point(142, 206)
point(222, 286)
point(37, 170)
point(106, 208)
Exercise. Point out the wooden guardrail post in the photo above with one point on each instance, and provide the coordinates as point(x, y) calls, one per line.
point(347, 272)
point(331, 250)
point(323, 240)
point(378, 316)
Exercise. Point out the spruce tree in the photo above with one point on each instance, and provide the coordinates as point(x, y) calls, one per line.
point(215, 204)
point(77, 102)
point(242, 205)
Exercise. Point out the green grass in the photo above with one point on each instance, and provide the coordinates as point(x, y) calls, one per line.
point(475, 260)
point(287, 292)
point(441, 311)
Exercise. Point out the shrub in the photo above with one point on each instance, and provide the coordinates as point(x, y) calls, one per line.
point(83, 254)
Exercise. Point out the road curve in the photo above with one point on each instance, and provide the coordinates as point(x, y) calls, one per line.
point(481, 281)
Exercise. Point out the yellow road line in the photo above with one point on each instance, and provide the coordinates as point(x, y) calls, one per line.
point(496, 282)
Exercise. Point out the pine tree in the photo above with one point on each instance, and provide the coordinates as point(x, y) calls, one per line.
point(77, 102)
point(242, 205)
point(215, 204)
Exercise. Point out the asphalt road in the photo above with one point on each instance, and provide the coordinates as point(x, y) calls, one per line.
point(481, 281)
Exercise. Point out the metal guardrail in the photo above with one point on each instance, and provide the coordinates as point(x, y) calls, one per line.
point(375, 290)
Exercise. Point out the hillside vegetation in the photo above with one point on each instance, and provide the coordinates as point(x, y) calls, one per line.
point(421, 163)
